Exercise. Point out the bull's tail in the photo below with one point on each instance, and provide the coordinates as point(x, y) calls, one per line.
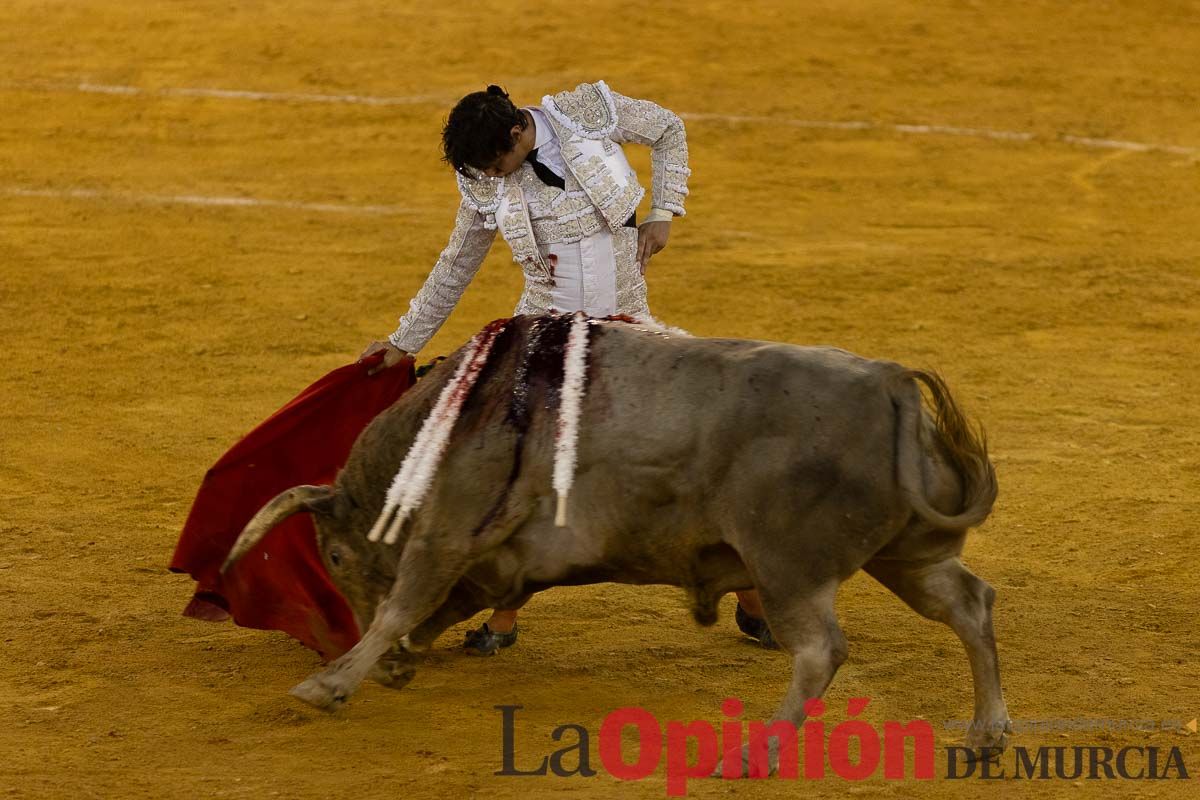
point(964, 445)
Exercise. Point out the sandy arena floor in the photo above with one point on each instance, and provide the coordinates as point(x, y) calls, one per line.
point(1054, 278)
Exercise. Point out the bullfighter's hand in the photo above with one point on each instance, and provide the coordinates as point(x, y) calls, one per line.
point(652, 237)
point(392, 355)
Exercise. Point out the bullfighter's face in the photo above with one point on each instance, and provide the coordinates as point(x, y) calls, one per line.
point(523, 140)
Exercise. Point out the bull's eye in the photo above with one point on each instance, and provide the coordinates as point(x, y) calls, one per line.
point(335, 557)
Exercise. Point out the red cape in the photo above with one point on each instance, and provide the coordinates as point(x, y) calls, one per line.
point(281, 584)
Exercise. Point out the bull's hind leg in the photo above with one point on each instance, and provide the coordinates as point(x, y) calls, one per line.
point(948, 592)
point(805, 625)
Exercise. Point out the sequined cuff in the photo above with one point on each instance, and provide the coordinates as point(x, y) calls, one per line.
point(400, 341)
point(658, 215)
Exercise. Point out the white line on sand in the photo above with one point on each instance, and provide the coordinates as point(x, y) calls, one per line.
point(200, 200)
point(242, 94)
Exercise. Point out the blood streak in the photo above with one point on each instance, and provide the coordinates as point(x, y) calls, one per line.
point(417, 471)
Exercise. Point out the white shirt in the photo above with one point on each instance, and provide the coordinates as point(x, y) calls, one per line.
point(546, 142)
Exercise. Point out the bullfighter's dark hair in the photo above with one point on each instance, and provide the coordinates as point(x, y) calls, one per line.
point(479, 129)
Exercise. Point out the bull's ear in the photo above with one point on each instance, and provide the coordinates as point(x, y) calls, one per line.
point(321, 504)
point(316, 499)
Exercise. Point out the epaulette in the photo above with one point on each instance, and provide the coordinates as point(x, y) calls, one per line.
point(588, 110)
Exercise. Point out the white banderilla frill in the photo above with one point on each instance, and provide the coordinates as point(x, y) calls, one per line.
point(566, 443)
point(416, 473)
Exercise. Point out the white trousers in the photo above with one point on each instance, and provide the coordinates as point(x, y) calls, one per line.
point(585, 275)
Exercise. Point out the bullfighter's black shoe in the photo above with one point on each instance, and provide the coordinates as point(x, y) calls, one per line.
point(755, 628)
point(487, 642)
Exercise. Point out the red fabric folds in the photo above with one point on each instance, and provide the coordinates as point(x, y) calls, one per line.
point(281, 584)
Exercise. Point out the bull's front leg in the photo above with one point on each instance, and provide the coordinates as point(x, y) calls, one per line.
point(398, 666)
point(424, 578)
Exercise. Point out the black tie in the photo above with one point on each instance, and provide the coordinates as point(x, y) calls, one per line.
point(543, 172)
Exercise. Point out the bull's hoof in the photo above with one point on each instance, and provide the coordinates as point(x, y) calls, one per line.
point(749, 768)
point(320, 692)
point(393, 675)
point(992, 735)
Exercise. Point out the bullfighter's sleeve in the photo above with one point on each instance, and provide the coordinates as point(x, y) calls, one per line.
point(644, 122)
point(455, 267)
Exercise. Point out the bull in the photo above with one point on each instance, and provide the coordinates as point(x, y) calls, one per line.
point(712, 465)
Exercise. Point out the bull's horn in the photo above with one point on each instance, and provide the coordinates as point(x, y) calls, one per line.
point(296, 499)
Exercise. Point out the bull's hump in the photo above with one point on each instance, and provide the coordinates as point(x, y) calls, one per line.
point(723, 362)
